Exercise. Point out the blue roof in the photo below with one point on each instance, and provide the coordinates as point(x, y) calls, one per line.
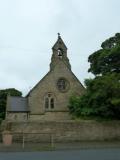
point(17, 104)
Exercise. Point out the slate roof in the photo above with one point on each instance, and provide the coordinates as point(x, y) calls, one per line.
point(17, 104)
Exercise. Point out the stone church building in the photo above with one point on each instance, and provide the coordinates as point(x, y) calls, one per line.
point(49, 98)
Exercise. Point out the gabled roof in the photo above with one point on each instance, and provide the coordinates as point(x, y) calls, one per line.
point(37, 84)
point(59, 41)
point(17, 104)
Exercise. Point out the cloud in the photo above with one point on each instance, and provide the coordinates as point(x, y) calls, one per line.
point(28, 31)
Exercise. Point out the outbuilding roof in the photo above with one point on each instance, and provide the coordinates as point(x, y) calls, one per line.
point(17, 104)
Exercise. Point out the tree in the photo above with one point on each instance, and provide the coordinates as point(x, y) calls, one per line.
point(102, 96)
point(106, 59)
point(3, 98)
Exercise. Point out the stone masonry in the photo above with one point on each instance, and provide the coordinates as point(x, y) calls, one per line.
point(49, 99)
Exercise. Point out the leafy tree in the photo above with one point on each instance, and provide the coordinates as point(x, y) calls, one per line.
point(3, 98)
point(102, 96)
point(106, 59)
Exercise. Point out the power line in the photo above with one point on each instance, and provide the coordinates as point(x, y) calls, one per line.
point(23, 49)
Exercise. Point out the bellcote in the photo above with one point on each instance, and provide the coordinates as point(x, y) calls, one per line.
point(59, 45)
point(59, 53)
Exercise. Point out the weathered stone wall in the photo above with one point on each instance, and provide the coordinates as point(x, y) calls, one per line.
point(71, 130)
point(17, 116)
point(48, 84)
point(51, 116)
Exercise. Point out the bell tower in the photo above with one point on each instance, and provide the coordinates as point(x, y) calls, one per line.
point(59, 54)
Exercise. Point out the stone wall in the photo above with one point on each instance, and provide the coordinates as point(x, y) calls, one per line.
point(48, 84)
point(68, 131)
point(12, 116)
point(51, 116)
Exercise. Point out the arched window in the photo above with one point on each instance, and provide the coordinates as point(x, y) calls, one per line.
point(46, 102)
point(52, 103)
point(49, 101)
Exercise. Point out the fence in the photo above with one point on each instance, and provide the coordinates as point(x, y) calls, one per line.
point(26, 141)
point(46, 141)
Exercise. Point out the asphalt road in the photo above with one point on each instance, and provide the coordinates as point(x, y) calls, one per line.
point(88, 154)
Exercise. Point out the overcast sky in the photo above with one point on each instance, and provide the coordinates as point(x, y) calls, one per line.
point(28, 30)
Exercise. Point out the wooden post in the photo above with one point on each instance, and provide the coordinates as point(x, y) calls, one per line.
point(23, 141)
point(52, 141)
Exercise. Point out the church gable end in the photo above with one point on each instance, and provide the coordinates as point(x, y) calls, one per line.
point(49, 99)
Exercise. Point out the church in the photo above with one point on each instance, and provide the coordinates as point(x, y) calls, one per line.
point(48, 100)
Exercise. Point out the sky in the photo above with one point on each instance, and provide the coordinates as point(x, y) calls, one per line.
point(28, 30)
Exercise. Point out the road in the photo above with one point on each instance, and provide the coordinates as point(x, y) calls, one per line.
point(83, 154)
